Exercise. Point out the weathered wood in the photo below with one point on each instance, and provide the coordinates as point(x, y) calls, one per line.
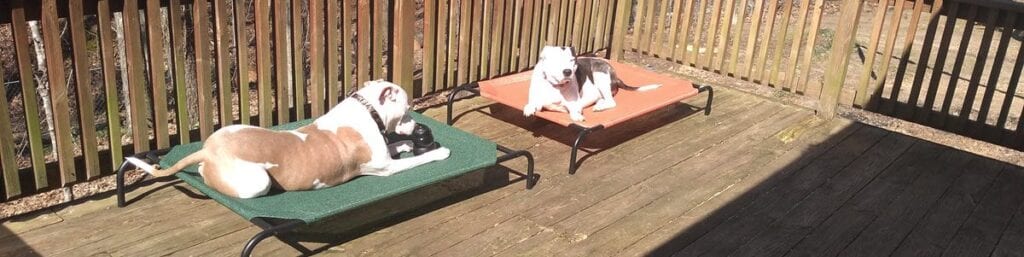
point(362, 42)
point(486, 38)
point(699, 32)
point(281, 81)
point(940, 59)
point(535, 33)
point(334, 70)
point(497, 37)
point(317, 82)
point(562, 34)
point(29, 100)
point(1013, 233)
point(638, 24)
point(83, 85)
point(809, 50)
point(526, 33)
point(453, 43)
point(113, 110)
point(348, 52)
point(136, 78)
point(978, 235)
point(724, 33)
point(862, 96)
point(402, 41)
point(752, 35)
point(839, 57)
point(1011, 90)
point(475, 36)
point(765, 42)
point(12, 181)
point(298, 63)
point(465, 19)
point(222, 41)
point(658, 45)
point(242, 68)
point(979, 67)
point(203, 72)
point(993, 75)
point(430, 38)
point(929, 39)
point(670, 47)
point(58, 92)
point(741, 19)
point(442, 49)
point(788, 79)
point(379, 30)
point(780, 43)
point(619, 28)
point(601, 31)
point(263, 62)
point(901, 69)
point(682, 46)
point(890, 42)
point(178, 41)
point(712, 46)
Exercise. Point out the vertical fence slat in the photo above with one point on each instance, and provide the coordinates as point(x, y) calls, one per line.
point(788, 81)
point(83, 84)
point(657, 47)
point(298, 64)
point(712, 48)
point(586, 43)
point(29, 100)
point(604, 18)
point(698, 31)
point(621, 24)
point(922, 115)
point(596, 28)
point(465, 24)
point(204, 89)
point(241, 8)
point(429, 45)
point(158, 87)
point(681, 49)
point(638, 23)
point(738, 37)
point(263, 62)
point(58, 91)
point(475, 37)
point(979, 68)
point(839, 57)
point(909, 110)
point(316, 57)
point(993, 77)
point(453, 43)
point(724, 32)
point(780, 44)
point(563, 23)
point(535, 32)
point(136, 81)
point(106, 45)
point(402, 44)
point(1011, 91)
point(362, 43)
point(497, 37)
point(553, 20)
point(958, 62)
point(762, 56)
point(379, 30)
point(748, 63)
point(333, 67)
point(904, 58)
point(890, 42)
point(809, 50)
point(222, 34)
point(178, 41)
point(441, 82)
point(527, 32)
point(347, 51)
point(485, 34)
point(281, 61)
point(514, 34)
point(12, 182)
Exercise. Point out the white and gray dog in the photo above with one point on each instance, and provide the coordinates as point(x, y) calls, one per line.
point(565, 83)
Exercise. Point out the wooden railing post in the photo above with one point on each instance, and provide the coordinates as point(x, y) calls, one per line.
point(621, 25)
point(839, 58)
point(402, 69)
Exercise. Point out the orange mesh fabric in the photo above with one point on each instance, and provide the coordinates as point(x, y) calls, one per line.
point(512, 90)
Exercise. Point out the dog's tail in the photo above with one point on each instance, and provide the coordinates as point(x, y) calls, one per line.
point(643, 88)
point(153, 170)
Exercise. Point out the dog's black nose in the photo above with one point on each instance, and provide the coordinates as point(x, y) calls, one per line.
point(567, 72)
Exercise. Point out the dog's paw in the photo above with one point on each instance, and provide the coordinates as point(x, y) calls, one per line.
point(577, 117)
point(602, 105)
point(530, 109)
point(438, 154)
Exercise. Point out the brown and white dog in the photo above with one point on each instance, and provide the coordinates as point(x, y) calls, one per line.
point(245, 161)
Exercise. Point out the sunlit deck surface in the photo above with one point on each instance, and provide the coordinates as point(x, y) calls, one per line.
point(756, 178)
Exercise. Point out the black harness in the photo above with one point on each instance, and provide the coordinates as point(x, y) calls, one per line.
point(373, 112)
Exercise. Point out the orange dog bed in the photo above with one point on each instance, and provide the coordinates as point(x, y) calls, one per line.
point(512, 90)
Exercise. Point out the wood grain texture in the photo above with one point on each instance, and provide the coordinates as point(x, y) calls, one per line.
point(298, 64)
point(812, 40)
point(203, 73)
point(283, 85)
point(222, 41)
point(110, 86)
point(12, 180)
point(59, 94)
point(402, 69)
point(788, 79)
point(317, 83)
point(862, 97)
point(264, 62)
point(83, 85)
point(780, 43)
point(30, 101)
point(242, 66)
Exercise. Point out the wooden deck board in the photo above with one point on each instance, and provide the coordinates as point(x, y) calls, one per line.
point(754, 178)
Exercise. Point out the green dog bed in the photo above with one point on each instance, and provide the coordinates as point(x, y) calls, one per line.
point(282, 211)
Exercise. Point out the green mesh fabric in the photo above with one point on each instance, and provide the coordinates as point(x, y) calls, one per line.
point(468, 153)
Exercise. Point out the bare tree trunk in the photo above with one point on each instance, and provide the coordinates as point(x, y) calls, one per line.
point(42, 82)
point(122, 63)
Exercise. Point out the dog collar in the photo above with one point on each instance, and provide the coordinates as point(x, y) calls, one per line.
point(373, 112)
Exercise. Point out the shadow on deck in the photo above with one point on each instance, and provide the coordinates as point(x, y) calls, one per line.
point(755, 178)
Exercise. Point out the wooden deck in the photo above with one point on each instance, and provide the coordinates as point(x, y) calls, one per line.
point(755, 178)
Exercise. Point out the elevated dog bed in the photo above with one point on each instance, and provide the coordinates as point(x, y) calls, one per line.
point(512, 90)
point(282, 211)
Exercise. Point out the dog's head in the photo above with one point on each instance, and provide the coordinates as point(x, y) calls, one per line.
point(391, 103)
point(557, 63)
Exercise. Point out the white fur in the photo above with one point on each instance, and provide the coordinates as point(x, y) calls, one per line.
point(302, 136)
point(318, 185)
point(237, 127)
point(148, 168)
point(248, 179)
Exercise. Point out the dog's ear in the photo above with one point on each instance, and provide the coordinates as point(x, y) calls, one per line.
point(387, 93)
point(572, 51)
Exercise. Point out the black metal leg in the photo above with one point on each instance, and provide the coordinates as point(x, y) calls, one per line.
point(711, 97)
point(151, 156)
point(531, 179)
point(272, 230)
point(455, 92)
point(584, 131)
